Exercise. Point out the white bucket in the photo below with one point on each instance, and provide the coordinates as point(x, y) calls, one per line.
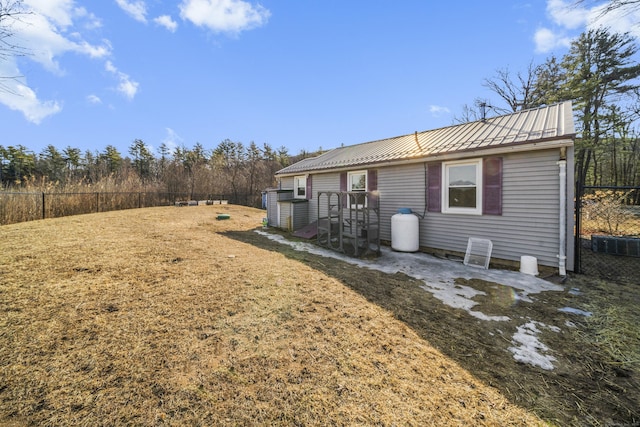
point(529, 265)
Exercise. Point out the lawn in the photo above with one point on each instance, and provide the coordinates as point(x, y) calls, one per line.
point(168, 316)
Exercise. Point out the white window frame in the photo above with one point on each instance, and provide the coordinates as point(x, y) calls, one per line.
point(297, 181)
point(446, 167)
point(350, 188)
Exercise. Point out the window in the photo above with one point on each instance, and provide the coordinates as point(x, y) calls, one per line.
point(462, 187)
point(487, 188)
point(357, 181)
point(300, 187)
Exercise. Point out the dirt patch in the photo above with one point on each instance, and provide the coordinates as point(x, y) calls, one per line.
point(167, 316)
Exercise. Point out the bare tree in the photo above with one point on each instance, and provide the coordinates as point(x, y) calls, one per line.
point(519, 91)
point(624, 6)
point(11, 12)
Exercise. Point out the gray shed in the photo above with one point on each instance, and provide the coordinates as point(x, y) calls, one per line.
point(508, 179)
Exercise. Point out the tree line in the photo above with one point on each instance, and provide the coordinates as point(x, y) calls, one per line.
point(239, 171)
point(600, 75)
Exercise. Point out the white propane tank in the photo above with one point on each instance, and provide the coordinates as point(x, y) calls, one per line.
point(405, 231)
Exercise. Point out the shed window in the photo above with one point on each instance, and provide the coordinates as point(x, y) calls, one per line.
point(300, 187)
point(462, 187)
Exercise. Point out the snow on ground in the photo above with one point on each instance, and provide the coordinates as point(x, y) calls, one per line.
point(529, 349)
point(439, 277)
point(575, 311)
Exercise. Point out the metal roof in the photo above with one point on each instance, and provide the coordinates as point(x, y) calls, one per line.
point(548, 123)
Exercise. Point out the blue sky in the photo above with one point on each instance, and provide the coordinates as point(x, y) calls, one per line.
point(300, 74)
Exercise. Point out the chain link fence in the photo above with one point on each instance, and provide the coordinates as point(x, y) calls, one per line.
point(608, 233)
point(20, 207)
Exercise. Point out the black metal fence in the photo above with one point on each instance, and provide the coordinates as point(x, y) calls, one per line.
point(608, 233)
point(19, 207)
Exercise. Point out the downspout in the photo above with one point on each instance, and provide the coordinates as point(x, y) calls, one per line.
point(562, 255)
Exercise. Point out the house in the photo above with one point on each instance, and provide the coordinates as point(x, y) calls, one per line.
point(508, 179)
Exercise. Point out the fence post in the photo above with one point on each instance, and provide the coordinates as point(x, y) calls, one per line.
point(578, 243)
point(43, 210)
point(97, 202)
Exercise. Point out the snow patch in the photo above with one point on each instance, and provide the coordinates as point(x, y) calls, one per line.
point(575, 311)
point(528, 348)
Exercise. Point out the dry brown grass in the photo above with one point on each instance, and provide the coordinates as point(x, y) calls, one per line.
point(151, 317)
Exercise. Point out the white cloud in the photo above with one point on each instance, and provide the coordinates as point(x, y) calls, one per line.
point(621, 20)
point(58, 12)
point(46, 41)
point(94, 99)
point(127, 87)
point(16, 95)
point(437, 110)
point(43, 34)
point(92, 21)
point(136, 9)
point(546, 40)
point(224, 16)
point(567, 15)
point(172, 140)
point(167, 22)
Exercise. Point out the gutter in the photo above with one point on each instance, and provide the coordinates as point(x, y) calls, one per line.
point(562, 254)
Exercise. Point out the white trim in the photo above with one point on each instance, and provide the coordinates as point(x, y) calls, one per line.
point(478, 186)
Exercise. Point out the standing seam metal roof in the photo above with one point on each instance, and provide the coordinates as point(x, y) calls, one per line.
point(522, 127)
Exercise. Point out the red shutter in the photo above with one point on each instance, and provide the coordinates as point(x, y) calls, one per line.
point(372, 180)
point(492, 186)
point(308, 193)
point(372, 186)
point(434, 176)
point(343, 181)
point(343, 187)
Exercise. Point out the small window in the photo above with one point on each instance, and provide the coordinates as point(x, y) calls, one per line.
point(357, 182)
point(462, 187)
point(300, 187)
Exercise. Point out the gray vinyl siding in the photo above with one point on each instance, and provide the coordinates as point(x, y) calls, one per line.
point(272, 208)
point(286, 183)
point(300, 215)
point(530, 208)
point(322, 182)
point(529, 221)
point(400, 187)
point(293, 215)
